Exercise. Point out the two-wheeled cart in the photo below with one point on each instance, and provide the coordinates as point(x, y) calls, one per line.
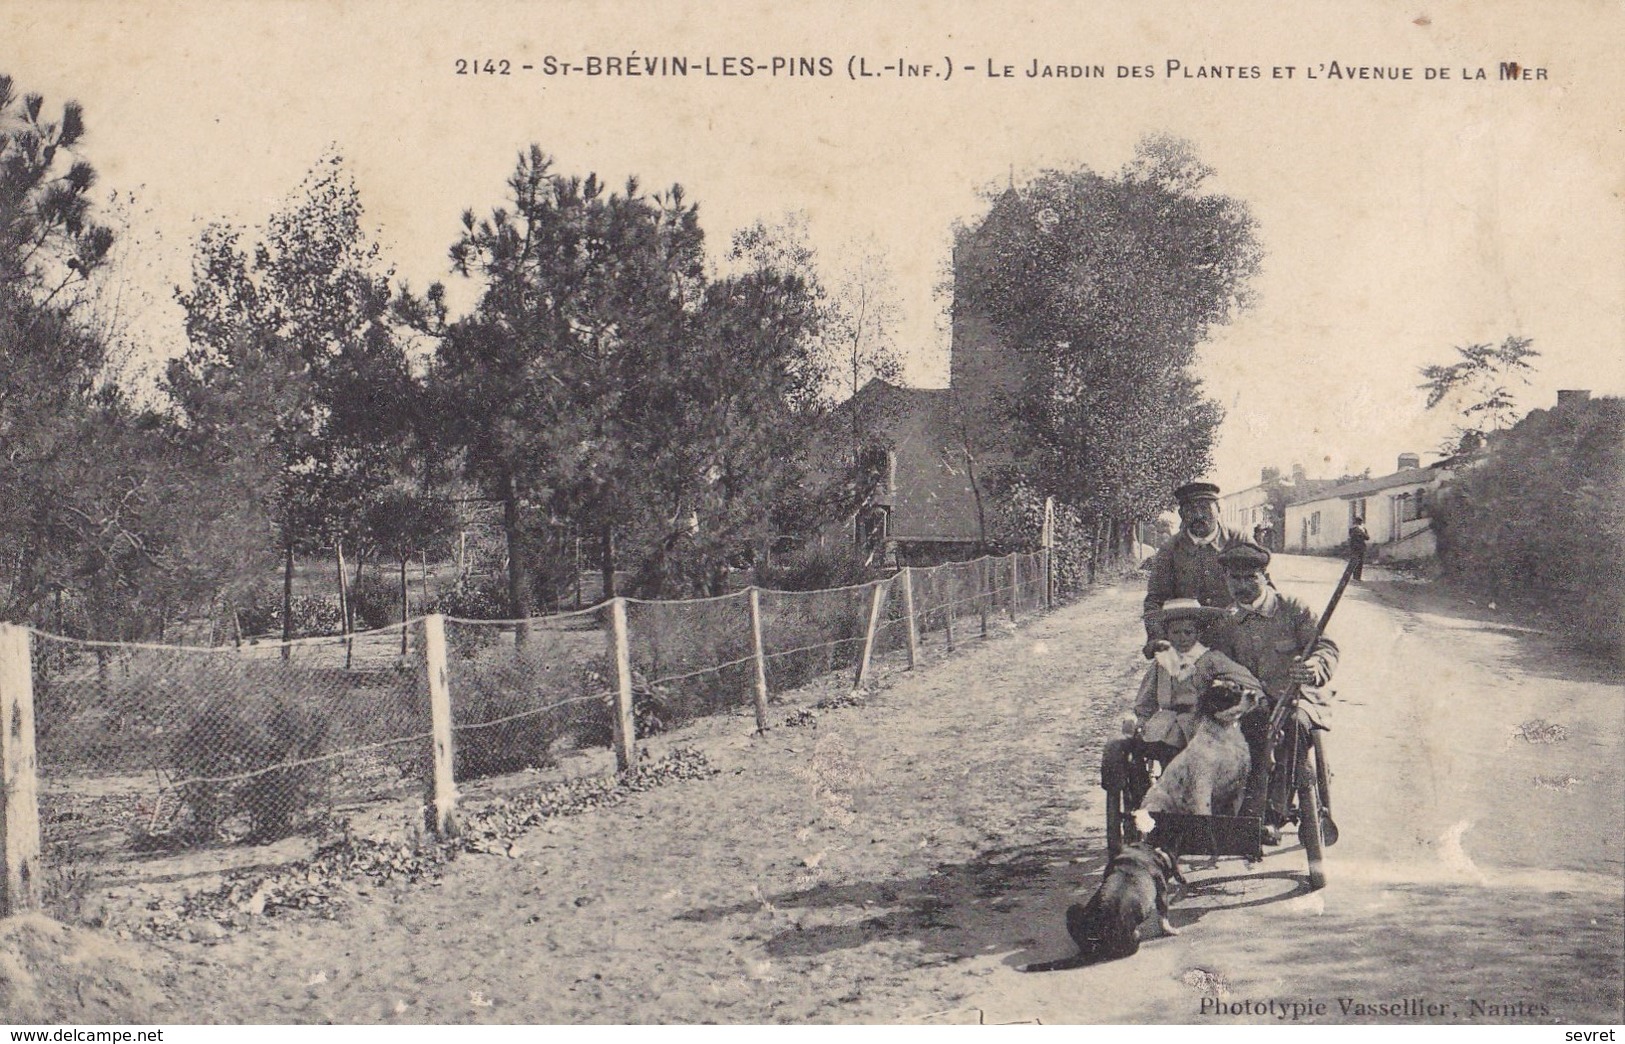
point(1299, 787)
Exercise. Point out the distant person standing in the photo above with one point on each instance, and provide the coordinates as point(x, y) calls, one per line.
point(1358, 539)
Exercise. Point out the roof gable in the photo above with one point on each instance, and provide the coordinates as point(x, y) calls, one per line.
point(1407, 477)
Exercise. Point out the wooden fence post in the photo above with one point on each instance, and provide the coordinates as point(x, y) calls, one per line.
point(1048, 543)
point(908, 611)
point(19, 784)
point(952, 602)
point(443, 793)
point(875, 603)
point(620, 650)
point(984, 590)
point(1015, 583)
point(761, 658)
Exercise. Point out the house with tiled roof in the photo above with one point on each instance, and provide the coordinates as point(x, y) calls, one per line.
point(1394, 507)
point(926, 499)
point(929, 504)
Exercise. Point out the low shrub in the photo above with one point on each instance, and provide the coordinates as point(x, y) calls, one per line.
point(257, 735)
point(375, 602)
point(654, 709)
point(313, 616)
point(474, 598)
point(814, 569)
point(498, 726)
point(510, 708)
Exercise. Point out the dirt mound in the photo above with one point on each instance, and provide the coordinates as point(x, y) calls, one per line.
point(53, 972)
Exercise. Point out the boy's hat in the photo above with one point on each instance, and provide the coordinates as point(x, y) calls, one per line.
point(1196, 491)
point(1185, 609)
point(1244, 557)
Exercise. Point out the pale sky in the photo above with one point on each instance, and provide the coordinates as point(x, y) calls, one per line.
point(1399, 218)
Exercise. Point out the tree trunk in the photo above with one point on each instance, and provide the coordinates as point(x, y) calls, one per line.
point(518, 581)
point(346, 611)
point(607, 565)
point(404, 609)
point(976, 495)
point(355, 583)
point(346, 616)
point(1094, 548)
point(287, 599)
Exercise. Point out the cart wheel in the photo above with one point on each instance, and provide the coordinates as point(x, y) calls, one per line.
point(1114, 821)
point(1309, 832)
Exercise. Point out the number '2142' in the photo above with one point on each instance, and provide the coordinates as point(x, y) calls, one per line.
point(487, 66)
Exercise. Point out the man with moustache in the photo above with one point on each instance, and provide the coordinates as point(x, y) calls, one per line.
point(1188, 565)
point(1275, 637)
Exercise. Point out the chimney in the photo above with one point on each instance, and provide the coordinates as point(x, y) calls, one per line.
point(1409, 460)
point(1573, 397)
point(1298, 475)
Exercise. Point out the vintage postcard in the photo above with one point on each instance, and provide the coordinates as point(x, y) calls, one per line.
point(618, 513)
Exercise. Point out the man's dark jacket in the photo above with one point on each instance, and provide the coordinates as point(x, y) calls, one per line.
point(1186, 569)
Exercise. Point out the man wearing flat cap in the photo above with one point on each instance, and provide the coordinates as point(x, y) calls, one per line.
point(1188, 565)
point(1273, 636)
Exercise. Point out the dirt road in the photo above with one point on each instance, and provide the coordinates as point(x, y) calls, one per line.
point(900, 861)
point(1479, 875)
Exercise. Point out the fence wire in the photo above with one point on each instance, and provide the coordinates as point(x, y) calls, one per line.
point(806, 634)
point(525, 691)
point(152, 748)
point(689, 659)
point(144, 746)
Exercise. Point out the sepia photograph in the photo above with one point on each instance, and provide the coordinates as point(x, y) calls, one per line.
point(608, 514)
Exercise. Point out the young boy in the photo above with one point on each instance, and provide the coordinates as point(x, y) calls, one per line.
point(1183, 668)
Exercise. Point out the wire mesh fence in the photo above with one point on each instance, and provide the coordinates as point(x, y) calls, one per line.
point(143, 746)
point(523, 691)
point(806, 634)
point(146, 749)
point(689, 659)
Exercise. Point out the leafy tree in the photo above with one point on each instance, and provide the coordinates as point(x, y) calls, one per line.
point(403, 522)
point(734, 468)
point(854, 302)
point(1479, 383)
point(863, 320)
point(1101, 289)
point(49, 244)
point(845, 340)
point(1543, 517)
point(295, 332)
point(75, 502)
point(554, 388)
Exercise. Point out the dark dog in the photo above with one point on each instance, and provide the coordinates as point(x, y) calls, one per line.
point(1135, 887)
point(1209, 776)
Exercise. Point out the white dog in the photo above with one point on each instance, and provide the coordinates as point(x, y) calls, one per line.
point(1208, 777)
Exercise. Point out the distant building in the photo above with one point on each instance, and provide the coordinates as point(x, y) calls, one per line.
point(1244, 511)
point(927, 498)
point(1395, 508)
point(924, 500)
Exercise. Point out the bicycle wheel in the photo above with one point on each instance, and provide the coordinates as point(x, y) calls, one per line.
point(1310, 830)
point(1323, 775)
